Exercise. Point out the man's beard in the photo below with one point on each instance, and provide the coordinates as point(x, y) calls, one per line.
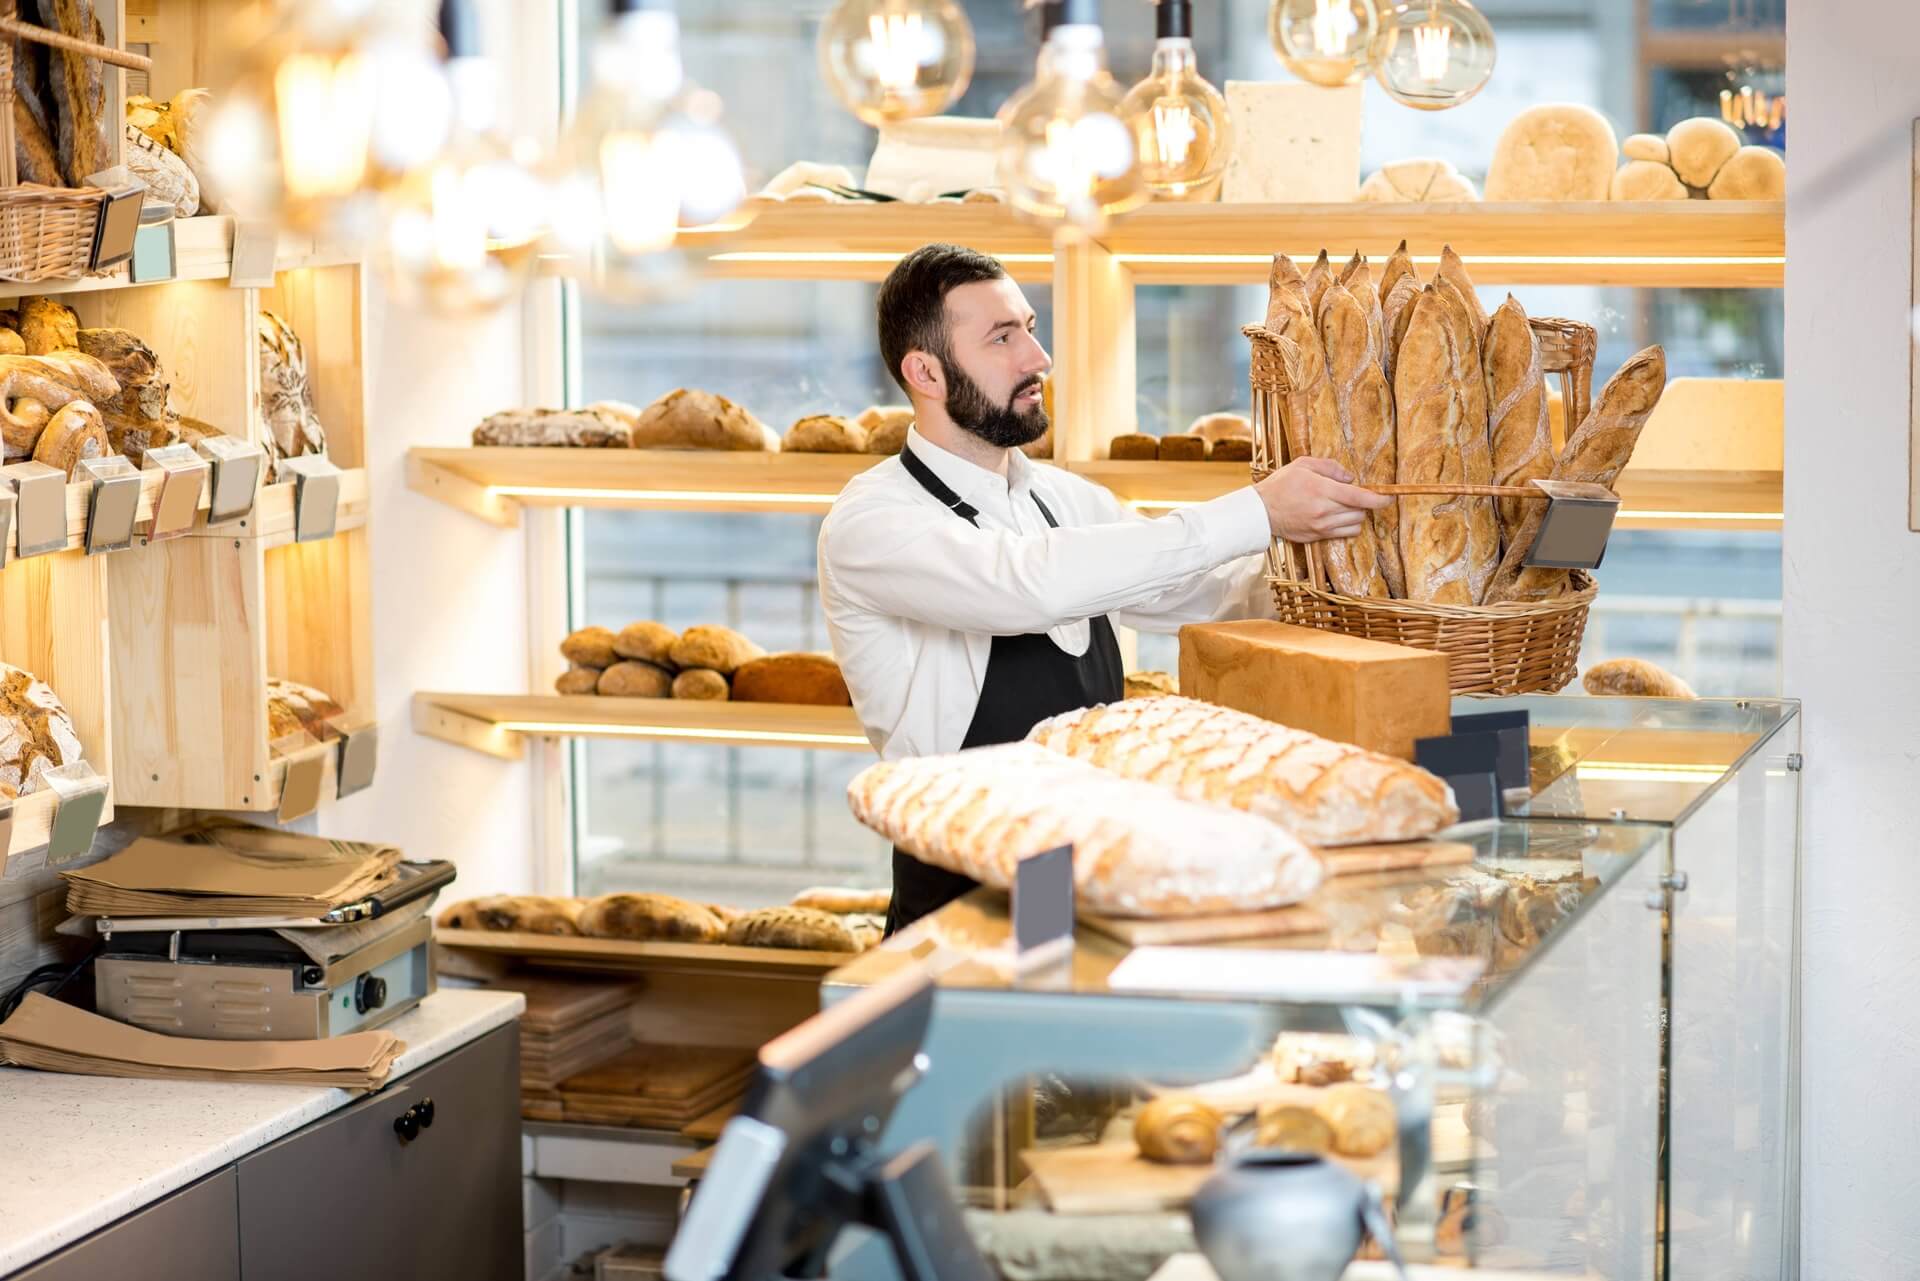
point(1001, 426)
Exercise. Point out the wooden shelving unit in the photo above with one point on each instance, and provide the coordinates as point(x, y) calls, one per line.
point(499, 724)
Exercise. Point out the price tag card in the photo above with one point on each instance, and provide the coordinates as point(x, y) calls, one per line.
point(300, 795)
point(6, 522)
point(183, 475)
point(254, 244)
point(114, 504)
point(316, 496)
point(82, 793)
point(1043, 904)
point(237, 468)
point(39, 509)
point(359, 754)
point(1467, 762)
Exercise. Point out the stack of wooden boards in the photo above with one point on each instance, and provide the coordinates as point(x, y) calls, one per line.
point(654, 1087)
point(571, 1025)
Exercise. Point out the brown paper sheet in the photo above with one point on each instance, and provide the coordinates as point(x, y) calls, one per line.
point(153, 876)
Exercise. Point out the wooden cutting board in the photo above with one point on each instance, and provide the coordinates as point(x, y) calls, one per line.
point(1111, 1178)
point(556, 1004)
point(664, 1073)
point(1400, 856)
point(708, 1128)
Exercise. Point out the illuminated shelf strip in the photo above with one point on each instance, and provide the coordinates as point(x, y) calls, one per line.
point(840, 255)
point(1623, 772)
point(1501, 260)
point(657, 495)
point(597, 730)
point(1626, 513)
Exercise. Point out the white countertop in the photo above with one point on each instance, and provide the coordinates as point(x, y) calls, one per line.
point(83, 1151)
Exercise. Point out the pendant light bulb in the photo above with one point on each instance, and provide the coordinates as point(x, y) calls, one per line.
point(1182, 131)
point(1433, 54)
point(888, 60)
point(1324, 42)
point(1065, 154)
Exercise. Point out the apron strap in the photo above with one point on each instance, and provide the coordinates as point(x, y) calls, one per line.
point(939, 489)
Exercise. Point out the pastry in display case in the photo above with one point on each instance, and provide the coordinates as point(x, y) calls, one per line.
point(1634, 677)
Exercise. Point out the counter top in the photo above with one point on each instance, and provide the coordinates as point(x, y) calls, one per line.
point(83, 1151)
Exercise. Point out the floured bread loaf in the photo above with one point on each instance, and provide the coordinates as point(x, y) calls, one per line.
point(825, 434)
point(1556, 151)
point(1136, 851)
point(1647, 180)
point(649, 918)
point(1751, 173)
point(1517, 392)
point(1635, 678)
point(1324, 792)
point(286, 398)
point(1422, 180)
point(1696, 149)
point(805, 929)
point(36, 731)
point(534, 428)
point(293, 708)
point(1646, 146)
point(691, 419)
point(77, 432)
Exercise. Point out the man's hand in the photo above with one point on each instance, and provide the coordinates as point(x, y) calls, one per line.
point(1312, 499)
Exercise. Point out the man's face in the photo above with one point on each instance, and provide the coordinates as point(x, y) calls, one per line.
point(996, 364)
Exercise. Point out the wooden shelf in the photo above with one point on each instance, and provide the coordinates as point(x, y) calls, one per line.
point(620, 956)
point(1645, 243)
point(202, 251)
point(498, 724)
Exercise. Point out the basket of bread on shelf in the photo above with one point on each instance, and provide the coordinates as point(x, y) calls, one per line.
point(1410, 383)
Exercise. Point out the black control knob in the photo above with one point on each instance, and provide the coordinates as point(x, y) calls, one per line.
point(371, 994)
point(407, 1125)
point(425, 1110)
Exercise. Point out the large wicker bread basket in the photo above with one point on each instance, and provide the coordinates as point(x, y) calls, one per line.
point(1511, 648)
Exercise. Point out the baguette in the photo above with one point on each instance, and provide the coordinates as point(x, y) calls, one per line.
point(1286, 291)
point(1324, 792)
point(79, 86)
point(1319, 276)
point(1366, 410)
point(1395, 314)
point(1596, 452)
point(1476, 448)
point(1517, 419)
point(1428, 389)
point(1634, 678)
point(1136, 851)
point(1399, 264)
point(1454, 272)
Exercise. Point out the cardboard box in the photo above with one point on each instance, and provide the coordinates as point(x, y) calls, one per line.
point(1369, 693)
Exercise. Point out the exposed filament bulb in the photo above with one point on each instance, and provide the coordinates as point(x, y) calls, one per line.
point(1334, 27)
point(1431, 40)
point(898, 39)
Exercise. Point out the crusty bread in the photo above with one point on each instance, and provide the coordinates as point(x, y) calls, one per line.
point(701, 685)
point(630, 679)
point(1596, 452)
point(1286, 292)
point(48, 325)
point(1636, 678)
point(76, 432)
point(1324, 792)
point(1319, 276)
point(293, 708)
point(1752, 173)
point(803, 929)
point(1183, 449)
point(36, 731)
point(647, 642)
point(1398, 264)
point(886, 427)
point(649, 918)
point(1419, 180)
point(1454, 272)
point(577, 680)
point(1475, 445)
point(1554, 151)
point(1136, 851)
point(719, 649)
point(839, 900)
point(692, 419)
point(1517, 392)
point(825, 434)
point(1396, 312)
point(1429, 392)
point(1366, 409)
point(1647, 180)
point(552, 428)
point(813, 679)
point(590, 647)
point(1698, 147)
point(1134, 446)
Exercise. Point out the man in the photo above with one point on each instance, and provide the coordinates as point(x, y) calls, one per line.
point(968, 591)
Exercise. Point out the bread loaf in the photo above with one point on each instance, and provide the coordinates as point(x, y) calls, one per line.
point(886, 427)
point(1183, 449)
point(1647, 180)
point(701, 685)
point(802, 929)
point(1454, 272)
point(1418, 181)
point(36, 731)
point(1399, 264)
point(1646, 146)
point(1517, 392)
point(1319, 276)
point(1134, 446)
point(1218, 427)
point(136, 417)
point(719, 648)
point(86, 375)
point(519, 913)
point(1231, 450)
point(1324, 792)
point(293, 708)
point(1136, 851)
point(169, 180)
point(29, 419)
point(291, 427)
point(1429, 385)
point(690, 419)
point(649, 918)
point(48, 325)
point(39, 388)
point(1366, 412)
point(1751, 173)
point(629, 679)
point(1596, 452)
point(551, 428)
point(1151, 684)
point(36, 159)
point(1286, 293)
point(590, 647)
point(1289, 1127)
point(833, 898)
point(84, 125)
point(467, 913)
point(1555, 151)
point(1634, 678)
point(791, 678)
point(648, 642)
point(1696, 149)
point(578, 680)
point(77, 431)
point(11, 343)
point(1174, 1130)
point(825, 434)
point(1361, 1118)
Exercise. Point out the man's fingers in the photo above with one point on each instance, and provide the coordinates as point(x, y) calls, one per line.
point(1354, 496)
point(1325, 467)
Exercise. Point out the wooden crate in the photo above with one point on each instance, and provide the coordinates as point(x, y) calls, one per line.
point(53, 623)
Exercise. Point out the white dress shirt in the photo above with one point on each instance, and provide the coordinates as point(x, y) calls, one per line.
point(914, 595)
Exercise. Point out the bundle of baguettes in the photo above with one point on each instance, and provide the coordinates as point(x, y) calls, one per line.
point(1324, 792)
point(1137, 851)
point(1411, 383)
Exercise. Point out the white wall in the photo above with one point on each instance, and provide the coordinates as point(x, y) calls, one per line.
point(1852, 606)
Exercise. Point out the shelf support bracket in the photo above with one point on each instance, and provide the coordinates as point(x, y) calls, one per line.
point(471, 732)
point(450, 487)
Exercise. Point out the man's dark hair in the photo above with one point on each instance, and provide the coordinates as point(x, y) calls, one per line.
point(912, 306)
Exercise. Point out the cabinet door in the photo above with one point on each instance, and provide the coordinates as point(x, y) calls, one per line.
point(193, 1235)
point(346, 1197)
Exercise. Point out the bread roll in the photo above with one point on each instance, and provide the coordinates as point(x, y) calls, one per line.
point(701, 685)
point(886, 427)
point(1183, 449)
point(1634, 678)
point(1218, 427)
point(1596, 452)
point(1288, 1127)
point(1698, 147)
point(37, 732)
point(578, 680)
point(719, 649)
point(1324, 792)
point(77, 431)
point(1475, 444)
point(1134, 446)
point(812, 679)
point(1556, 151)
point(1366, 411)
point(1151, 684)
point(629, 679)
point(1177, 1131)
point(1646, 146)
point(48, 325)
point(1753, 173)
point(1429, 394)
point(1361, 1118)
point(1517, 391)
point(552, 428)
point(646, 642)
point(825, 434)
point(1647, 180)
point(690, 419)
point(839, 900)
point(802, 929)
point(293, 708)
point(649, 918)
point(590, 647)
point(11, 343)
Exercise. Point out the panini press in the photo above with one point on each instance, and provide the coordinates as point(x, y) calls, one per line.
point(258, 979)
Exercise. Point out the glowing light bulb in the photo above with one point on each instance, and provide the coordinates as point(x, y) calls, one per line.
point(1433, 54)
point(1065, 153)
point(1324, 42)
point(891, 60)
point(1182, 130)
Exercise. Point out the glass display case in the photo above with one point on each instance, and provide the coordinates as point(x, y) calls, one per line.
point(1580, 1016)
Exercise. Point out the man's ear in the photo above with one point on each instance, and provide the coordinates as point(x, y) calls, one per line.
point(924, 375)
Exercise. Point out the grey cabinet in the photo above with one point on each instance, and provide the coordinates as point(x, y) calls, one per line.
point(349, 1197)
point(193, 1235)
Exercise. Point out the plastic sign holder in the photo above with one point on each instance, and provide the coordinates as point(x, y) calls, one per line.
point(39, 507)
point(1468, 762)
point(1578, 523)
point(6, 525)
point(359, 754)
point(80, 793)
point(300, 794)
point(1043, 908)
point(6, 836)
point(183, 475)
point(237, 468)
point(114, 504)
point(316, 496)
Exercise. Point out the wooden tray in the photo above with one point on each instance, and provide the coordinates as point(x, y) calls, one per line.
point(708, 1128)
point(665, 1073)
point(557, 1005)
point(1113, 1178)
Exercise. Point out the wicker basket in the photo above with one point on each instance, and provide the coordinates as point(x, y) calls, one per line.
point(1512, 648)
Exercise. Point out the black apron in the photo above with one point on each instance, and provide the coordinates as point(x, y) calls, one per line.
point(1029, 678)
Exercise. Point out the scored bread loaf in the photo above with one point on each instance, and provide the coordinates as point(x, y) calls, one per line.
point(1454, 272)
point(649, 918)
point(1319, 276)
point(813, 679)
point(1396, 312)
point(1286, 292)
point(1476, 450)
point(1517, 417)
point(1399, 264)
point(36, 731)
point(1428, 389)
point(805, 929)
point(825, 434)
point(1366, 410)
point(719, 649)
point(1634, 678)
point(1595, 454)
point(691, 419)
point(1324, 792)
point(1136, 851)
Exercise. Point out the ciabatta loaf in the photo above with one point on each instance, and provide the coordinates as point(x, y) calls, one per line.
point(1325, 793)
point(1137, 851)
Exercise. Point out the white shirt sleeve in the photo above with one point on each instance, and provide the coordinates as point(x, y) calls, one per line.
point(909, 561)
point(1236, 590)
